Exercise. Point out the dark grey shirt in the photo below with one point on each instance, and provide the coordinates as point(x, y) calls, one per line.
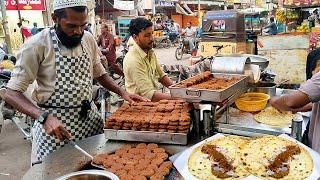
point(273, 30)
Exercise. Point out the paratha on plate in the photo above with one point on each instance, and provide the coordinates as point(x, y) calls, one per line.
point(271, 116)
point(272, 157)
point(219, 159)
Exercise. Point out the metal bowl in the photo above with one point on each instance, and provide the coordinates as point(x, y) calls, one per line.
point(89, 175)
point(267, 90)
point(264, 87)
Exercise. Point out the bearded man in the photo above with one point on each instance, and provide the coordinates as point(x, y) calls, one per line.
point(63, 60)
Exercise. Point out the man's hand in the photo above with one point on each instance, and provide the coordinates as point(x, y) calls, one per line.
point(166, 81)
point(103, 58)
point(305, 108)
point(55, 128)
point(277, 103)
point(290, 102)
point(104, 50)
point(131, 98)
point(104, 61)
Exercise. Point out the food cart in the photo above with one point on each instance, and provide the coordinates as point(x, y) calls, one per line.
point(213, 116)
point(123, 25)
point(224, 29)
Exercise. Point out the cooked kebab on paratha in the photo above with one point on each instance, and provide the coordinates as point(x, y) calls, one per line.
point(267, 157)
point(218, 159)
point(273, 117)
point(272, 157)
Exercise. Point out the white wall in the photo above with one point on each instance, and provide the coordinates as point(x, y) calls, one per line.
point(13, 19)
point(32, 16)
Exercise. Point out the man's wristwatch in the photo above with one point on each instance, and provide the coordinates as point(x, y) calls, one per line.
point(43, 117)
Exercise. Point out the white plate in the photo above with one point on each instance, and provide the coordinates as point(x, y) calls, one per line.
point(180, 160)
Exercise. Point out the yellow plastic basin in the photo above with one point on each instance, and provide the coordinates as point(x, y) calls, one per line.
point(252, 102)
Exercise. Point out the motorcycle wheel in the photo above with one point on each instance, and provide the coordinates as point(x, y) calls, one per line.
point(113, 75)
point(119, 62)
point(179, 53)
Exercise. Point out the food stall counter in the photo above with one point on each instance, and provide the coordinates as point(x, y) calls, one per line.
point(68, 159)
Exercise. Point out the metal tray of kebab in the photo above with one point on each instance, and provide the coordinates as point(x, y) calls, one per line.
point(194, 89)
point(167, 121)
point(146, 136)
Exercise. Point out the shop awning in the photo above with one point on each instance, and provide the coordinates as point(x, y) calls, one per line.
point(185, 10)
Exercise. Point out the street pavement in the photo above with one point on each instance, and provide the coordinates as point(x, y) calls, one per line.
point(15, 151)
point(167, 57)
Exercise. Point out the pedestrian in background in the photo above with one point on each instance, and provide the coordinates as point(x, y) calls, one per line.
point(24, 30)
point(108, 48)
point(314, 18)
point(190, 35)
point(35, 29)
point(173, 32)
point(272, 27)
point(88, 28)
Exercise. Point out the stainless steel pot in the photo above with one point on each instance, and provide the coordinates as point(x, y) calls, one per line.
point(267, 88)
point(89, 175)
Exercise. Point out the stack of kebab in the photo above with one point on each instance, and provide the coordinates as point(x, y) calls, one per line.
point(137, 162)
point(164, 116)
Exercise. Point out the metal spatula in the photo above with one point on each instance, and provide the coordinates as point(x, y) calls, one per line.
point(85, 153)
point(79, 148)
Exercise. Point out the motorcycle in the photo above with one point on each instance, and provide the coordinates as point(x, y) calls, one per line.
point(162, 42)
point(183, 47)
point(174, 38)
point(7, 112)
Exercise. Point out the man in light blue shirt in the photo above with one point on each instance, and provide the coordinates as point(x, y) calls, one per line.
point(34, 30)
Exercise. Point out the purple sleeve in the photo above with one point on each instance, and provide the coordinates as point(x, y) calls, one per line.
point(312, 88)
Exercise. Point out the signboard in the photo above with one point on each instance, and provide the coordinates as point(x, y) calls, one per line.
point(147, 4)
point(167, 4)
point(26, 5)
point(123, 5)
point(231, 2)
point(301, 3)
point(247, 2)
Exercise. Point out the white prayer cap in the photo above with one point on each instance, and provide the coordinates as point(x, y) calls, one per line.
point(62, 4)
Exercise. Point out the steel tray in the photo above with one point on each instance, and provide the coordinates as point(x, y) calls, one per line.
point(197, 95)
point(146, 136)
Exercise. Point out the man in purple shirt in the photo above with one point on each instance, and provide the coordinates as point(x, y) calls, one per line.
point(305, 99)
